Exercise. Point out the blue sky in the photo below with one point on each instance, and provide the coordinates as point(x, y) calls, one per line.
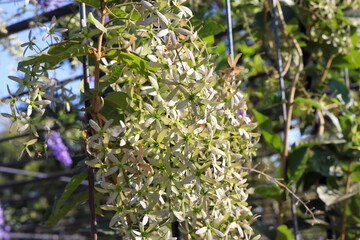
point(9, 63)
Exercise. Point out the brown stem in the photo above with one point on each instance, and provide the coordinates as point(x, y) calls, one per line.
point(93, 221)
point(91, 181)
point(327, 68)
point(98, 54)
point(290, 105)
point(343, 216)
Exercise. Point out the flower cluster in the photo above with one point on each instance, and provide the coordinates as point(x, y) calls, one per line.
point(60, 151)
point(4, 229)
point(178, 151)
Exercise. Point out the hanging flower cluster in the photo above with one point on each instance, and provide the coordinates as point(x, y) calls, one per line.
point(181, 136)
point(177, 153)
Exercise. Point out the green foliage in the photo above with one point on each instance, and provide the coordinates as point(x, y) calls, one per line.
point(91, 3)
point(97, 24)
point(58, 214)
point(284, 232)
point(59, 211)
point(56, 54)
point(268, 191)
point(296, 164)
point(267, 132)
point(132, 61)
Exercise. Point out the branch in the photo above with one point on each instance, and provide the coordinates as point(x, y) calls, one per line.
point(41, 177)
point(45, 17)
point(56, 127)
point(327, 68)
point(33, 174)
point(308, 210)
point(46, 236)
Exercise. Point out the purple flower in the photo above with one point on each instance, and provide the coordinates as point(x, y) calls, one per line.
point(241, 112)
point(60, 151)
point(4, 229)
point(47, 4)
point(50, 4)
point(91, 79)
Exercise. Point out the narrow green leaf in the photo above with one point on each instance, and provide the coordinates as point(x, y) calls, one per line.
point(267, 131)
point(97, 24)
point(60, 213)
point(296, 164)
point(71, 187)
point(55, 56)
point(308, 101)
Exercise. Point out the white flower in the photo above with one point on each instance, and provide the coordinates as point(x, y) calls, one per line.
point(51, 31)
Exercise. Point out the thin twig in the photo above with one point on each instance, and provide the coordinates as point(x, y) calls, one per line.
point(44, 236)
point(33, 174)
point(308, 210)
point(98, 54)
point(44, 178)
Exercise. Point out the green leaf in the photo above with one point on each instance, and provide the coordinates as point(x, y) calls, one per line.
point(284, 233)
point(116, 71)
point(118, 100)
point(355, 176)
point(210, 27)
point(267, 131)
point(308, 101)
point(324, 162)
point(60, 213)
point(296, 164)
point(268, 191)
point(56, 54)
point(92, 3)
point(134, 62)
point(71, 187)
point(97, 24)
point(318, 105)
